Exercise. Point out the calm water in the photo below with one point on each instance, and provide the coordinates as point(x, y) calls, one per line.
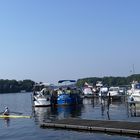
point(25, 129)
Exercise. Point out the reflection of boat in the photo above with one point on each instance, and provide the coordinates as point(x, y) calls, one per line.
point(52, 113)
point(134, 92)
point(69, 111)
point(68, 93)
point(41, 95)
point(42, 113)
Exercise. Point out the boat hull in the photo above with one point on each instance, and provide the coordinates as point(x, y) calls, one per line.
point(41, 102)
point(134, 98)
point(13, 116)
point(68, 99)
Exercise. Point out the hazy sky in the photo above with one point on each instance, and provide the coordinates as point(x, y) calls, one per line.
point(51, 40)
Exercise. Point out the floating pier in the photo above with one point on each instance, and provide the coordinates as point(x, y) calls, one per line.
point(108, 126)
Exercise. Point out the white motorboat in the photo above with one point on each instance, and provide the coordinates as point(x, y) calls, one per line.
point(41, 95)
point(87, 91)
point(114, 93)
point(103, 91)
point(99, 84)
point(134, 92)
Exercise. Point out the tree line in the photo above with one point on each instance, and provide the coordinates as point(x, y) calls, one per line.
point(110, 80)
point(13, 86)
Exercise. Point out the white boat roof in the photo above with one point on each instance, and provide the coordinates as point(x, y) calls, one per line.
point(42, 84)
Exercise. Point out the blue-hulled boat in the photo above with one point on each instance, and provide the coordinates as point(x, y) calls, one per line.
point(68, 93)
point(64, 98)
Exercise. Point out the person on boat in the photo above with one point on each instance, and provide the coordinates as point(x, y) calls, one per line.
point(7, 111)
point(68, 91)
point(59, 91)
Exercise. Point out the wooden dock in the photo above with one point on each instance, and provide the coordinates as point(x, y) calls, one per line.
point(120, 127)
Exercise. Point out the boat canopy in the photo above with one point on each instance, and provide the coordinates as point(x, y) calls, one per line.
point(61, 81)
point(42, 84)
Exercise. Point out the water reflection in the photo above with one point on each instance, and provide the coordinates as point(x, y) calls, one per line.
point(133, 109)
point(46, 114)
point(102, 109)
point(7, 122)
point(92, 108)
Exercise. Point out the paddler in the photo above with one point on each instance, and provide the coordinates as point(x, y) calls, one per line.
point(7, 111)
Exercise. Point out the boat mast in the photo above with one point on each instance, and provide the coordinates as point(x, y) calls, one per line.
point(133, 69)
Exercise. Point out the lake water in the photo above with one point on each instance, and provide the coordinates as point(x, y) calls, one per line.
point(29, 129)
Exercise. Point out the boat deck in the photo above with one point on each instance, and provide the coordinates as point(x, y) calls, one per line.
point(120, 127)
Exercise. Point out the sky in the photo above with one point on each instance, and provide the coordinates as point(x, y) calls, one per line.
point(51, 40)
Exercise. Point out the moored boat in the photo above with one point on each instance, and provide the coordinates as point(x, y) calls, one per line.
point(114, 94)
point(88, 91)
point(103, 91)
point(68, 93)
point(41, 95)
point(134, 92)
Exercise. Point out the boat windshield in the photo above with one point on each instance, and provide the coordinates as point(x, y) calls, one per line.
point(114, 89)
